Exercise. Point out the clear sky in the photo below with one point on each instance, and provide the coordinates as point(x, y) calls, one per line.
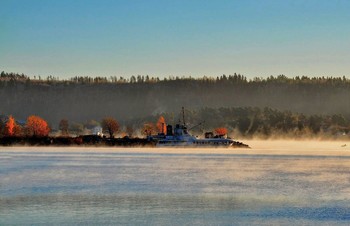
point(175, 37)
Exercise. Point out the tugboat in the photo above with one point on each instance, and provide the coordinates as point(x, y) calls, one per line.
point(179, 137)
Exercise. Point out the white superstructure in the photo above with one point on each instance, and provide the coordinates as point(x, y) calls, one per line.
point(181, 137)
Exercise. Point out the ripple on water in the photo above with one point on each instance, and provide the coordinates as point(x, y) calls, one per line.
point(142, 188)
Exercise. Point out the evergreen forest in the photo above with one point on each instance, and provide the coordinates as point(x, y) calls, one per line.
point(266, 107)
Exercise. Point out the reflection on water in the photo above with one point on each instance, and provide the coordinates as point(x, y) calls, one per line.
point(166, 189)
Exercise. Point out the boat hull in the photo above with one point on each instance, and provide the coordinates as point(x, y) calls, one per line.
point(197, 143)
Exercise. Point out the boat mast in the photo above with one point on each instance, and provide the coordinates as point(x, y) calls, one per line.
point(183, 115)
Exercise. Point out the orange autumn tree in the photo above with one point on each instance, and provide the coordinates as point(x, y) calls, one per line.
point(221, 131)
point(161, 125)
point(37, 126)
point(10, 126)
point(17, 131)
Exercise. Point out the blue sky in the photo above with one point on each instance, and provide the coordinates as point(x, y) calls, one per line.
point(66, 38)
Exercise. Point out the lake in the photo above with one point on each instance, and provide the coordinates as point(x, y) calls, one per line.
point(274, 183)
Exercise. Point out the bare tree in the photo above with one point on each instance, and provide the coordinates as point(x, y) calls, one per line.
point(110, 125)
point(129, 131)
point(148, 129)
point(63, 126)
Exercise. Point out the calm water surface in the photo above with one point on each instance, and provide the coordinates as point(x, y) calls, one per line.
point(94, 188)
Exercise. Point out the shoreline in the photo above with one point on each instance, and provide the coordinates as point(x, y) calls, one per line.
point(257, 147)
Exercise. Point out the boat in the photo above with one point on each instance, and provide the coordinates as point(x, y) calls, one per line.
point(180, 137)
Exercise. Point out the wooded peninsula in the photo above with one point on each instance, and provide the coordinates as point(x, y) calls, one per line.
point(276, 106)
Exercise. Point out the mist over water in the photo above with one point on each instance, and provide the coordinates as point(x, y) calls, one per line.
point(176, 186)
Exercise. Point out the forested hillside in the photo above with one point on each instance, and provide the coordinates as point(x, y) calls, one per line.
point(83, 98)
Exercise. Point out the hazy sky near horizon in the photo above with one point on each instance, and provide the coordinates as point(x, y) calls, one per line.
point(66, 38)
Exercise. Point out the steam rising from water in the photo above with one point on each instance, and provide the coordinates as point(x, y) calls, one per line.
point(277, 182)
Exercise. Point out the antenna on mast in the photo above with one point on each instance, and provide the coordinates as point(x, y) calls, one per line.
point(183, 115)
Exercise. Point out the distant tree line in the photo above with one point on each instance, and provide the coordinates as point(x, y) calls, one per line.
point(246, 122)
point(235, 78)
point(252, 122)
point(85, 99)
